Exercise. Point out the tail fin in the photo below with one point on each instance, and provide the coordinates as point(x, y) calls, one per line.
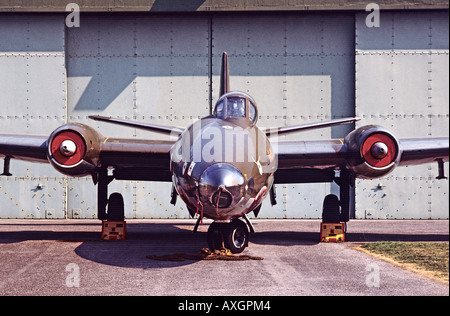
point(224, 75)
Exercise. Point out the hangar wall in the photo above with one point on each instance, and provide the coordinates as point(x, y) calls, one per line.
point(402, 83)
point(300, 67)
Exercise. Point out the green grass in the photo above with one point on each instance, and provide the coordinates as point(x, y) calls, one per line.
point(430, 259)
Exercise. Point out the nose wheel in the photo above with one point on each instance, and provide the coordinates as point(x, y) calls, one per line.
point(233, 236)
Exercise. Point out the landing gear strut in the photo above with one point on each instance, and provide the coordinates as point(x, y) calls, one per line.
point(337, 209)
point(233, 236)
point(111, 208)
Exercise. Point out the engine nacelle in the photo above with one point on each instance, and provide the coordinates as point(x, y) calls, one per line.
point(74, 149)
point(374, 151)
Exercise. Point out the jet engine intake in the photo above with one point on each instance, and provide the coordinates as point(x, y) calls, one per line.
point(374, 151)
point(74, 149)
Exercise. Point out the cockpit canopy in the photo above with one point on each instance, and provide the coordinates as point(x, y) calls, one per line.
point(236, 105)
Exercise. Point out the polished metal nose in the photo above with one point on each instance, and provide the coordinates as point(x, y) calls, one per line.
point(221, 185)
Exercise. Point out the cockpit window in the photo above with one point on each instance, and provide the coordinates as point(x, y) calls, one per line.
point(252, 112)
point(219, 109)
point(236, 107)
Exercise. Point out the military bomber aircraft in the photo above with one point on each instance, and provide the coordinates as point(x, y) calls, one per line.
point(223, 166)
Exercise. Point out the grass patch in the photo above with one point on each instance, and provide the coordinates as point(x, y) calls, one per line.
point(430, 259)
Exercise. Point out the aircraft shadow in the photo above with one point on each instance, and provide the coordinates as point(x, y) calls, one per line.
point(160, 239)
point(142, 240)
point(287, 238)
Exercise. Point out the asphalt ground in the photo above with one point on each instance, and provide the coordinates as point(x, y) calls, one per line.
point(67, 257)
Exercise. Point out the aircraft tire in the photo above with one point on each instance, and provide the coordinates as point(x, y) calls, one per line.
point(115, 207)
point(330, 211)
point(236, 236)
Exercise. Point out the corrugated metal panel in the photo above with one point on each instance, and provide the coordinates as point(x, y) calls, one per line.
point(401, 84)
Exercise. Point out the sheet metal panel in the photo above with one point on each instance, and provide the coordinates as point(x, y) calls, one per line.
point(158, 69)
point(401, 84)
point(33, 94)
point(32, 197)
point(213, 6)
point(140, 68)
point(300, 71)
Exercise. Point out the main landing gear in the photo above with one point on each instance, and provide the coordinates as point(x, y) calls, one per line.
point(232, 235)
point(109, 208)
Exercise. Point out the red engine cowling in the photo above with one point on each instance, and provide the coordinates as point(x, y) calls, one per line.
point(374, 151)
point(74, 149)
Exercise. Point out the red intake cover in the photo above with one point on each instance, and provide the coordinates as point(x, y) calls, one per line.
point(56, 144)
point(367, 146)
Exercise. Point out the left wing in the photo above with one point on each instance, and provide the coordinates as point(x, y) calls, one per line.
point(78, 150)
point(24, 147)
point(134, 159)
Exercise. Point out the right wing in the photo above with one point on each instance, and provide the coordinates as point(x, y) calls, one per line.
point(417, 151)
point(316, 161)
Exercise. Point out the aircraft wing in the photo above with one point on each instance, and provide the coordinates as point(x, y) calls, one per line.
point(424, 150)
point(135, 159)
point(131, 159)
point(24, 147)
point(316, 161)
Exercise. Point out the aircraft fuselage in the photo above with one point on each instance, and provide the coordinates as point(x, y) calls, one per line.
point(223, 169)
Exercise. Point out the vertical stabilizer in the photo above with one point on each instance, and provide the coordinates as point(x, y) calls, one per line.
point(224, 75)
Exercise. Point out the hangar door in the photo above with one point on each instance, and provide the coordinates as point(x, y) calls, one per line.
point(402, 82)
point(164, 69)
point(32, 101)
point(300, 67)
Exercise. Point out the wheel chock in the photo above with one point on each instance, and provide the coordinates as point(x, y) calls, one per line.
point(114, 230)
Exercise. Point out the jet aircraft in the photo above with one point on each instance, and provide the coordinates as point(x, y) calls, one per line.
point(223, 166)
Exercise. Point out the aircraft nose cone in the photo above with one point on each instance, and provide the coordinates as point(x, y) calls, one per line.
point(221, 184)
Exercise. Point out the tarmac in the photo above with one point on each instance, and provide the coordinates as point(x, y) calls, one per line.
point(67, 257)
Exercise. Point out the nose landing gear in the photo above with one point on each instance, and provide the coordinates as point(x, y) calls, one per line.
point(233, 236)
